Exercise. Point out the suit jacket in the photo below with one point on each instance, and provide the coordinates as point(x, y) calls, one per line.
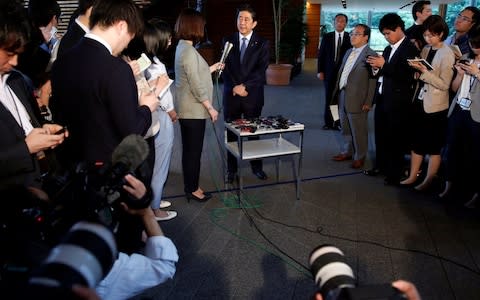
point(360, 87)
point(437, 81)
point(73, 35)
point(251, 73)
point(95, 95)
point(398, 77)
point(326, 55)
point(474, 97)
point(17, 165)
point(193, 82)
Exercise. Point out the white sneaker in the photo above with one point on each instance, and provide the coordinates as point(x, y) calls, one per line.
point(170, 215)
point(165, 204)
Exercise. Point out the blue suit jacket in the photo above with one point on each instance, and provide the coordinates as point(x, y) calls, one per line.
point(95, 95)
point(251, 73)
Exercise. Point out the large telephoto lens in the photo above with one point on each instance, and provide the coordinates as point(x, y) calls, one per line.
point(84, 257)
point(330, 271)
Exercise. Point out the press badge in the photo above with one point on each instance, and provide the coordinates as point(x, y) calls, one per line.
point(421, 94)
point(464, 103)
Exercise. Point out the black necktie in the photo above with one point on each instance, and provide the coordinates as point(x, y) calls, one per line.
point(339, 44)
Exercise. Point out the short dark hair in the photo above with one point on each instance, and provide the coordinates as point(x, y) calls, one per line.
point(156, 37)
point(41, 12)
point(418, 7)
point(84, 5)
point(341, 15)
point(475, 17)
point(474, 40)
point(106, 13)
point(14, 27)
point(391, 21)
point(190, 25)
point(436, 25)
point(366, 29)
point(249, 8)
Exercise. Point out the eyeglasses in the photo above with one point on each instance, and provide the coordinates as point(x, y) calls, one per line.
point(463, 18)
point(356, 34)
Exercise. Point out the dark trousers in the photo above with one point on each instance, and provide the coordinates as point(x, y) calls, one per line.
point(463, 151)
point(327, 114)
point(391, 129)
point(236, 109)
point(193, 131)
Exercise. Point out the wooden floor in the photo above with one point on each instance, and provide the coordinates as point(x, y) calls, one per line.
point(260, 249)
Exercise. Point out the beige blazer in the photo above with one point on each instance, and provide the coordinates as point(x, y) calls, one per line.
point(193, 82)
point(437, 81)
point(474, 96)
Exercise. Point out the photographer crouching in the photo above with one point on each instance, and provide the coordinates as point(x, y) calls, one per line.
point(28, 214)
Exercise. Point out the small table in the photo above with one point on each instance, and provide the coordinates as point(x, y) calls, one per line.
point(277, 146)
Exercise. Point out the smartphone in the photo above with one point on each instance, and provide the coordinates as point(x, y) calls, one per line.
point(464, 61)
point(61, 131)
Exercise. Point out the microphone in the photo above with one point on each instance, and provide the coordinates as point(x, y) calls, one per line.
point(226, 50)
point(131, 152)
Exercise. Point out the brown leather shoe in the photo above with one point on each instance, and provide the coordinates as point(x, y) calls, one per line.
point(342, 157)
point(358, 163)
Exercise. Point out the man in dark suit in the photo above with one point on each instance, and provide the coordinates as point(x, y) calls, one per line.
point(95, 95)
point(94, 91)
point(393, 98)
point(23, 137)
point(244, 79)
point(421, 10)
point(332, 49)
point(355, 87)
point(77, 28)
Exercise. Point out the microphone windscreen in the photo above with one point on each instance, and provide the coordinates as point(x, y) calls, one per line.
point(132, 151)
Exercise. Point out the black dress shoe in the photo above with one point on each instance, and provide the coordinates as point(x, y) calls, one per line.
point(371, 172)
point(260, 174)
point(392, 181)
point(327, 127)
point(205, 198)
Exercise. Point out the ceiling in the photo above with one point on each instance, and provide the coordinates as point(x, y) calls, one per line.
point(379, 5)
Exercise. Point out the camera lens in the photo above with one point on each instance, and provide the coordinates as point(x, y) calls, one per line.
point(330, 271)
point(84, 257)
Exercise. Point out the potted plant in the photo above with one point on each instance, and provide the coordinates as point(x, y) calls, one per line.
point(290, 37)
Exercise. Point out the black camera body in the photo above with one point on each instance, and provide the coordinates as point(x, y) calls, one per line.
point(336, 280)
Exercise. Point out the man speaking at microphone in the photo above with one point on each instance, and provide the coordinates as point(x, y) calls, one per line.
point(244, 80)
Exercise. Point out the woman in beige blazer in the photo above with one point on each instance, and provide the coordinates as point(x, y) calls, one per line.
point(430, 103)
point(194, 93)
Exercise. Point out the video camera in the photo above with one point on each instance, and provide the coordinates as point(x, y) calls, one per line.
point(335, 278)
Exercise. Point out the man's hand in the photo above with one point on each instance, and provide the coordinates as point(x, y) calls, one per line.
point(150, 100)
point(321, 76)
point(376, 62)
point(240, 90)
point(365, 108)
point(135, 187)
point(407, 288)
point(41, 139)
